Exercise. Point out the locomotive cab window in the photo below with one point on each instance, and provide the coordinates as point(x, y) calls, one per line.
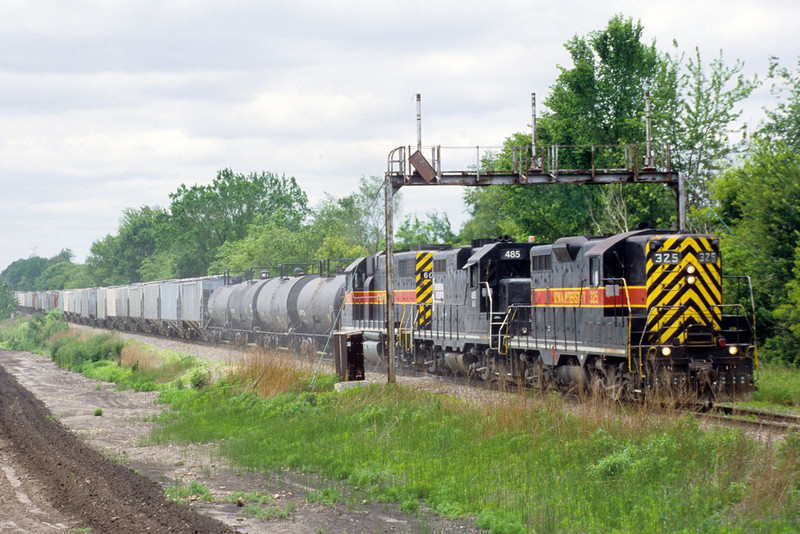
point(473, 276)
point(594, 272)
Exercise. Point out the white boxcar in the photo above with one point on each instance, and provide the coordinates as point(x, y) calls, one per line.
point(122, 302)
point(68, 301)
point(135, 302)
point(90, 312)
point(151, 309)
point(102, 303)
point(81, 303)
point(194, 295)
point(52, 300)
point(111, 302)
point(170, 300)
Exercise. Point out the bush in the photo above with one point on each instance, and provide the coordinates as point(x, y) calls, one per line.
point(71, 352)
point(199, 379)
point(32, 333)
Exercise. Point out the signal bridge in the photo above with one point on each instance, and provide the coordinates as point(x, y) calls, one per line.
point(556, 164)
point(529, 165)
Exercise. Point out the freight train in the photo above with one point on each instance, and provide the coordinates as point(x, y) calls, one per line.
point(630, 314)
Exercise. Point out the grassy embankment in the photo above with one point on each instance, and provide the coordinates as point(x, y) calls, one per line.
point(104, 357)
point(516, 463)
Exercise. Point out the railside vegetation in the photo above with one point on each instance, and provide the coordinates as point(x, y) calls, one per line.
point(104, 357)
point(516, 463)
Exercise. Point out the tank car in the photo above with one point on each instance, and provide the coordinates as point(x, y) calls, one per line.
point(298, 311)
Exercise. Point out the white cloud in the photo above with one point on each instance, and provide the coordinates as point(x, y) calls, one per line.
point(108, 105)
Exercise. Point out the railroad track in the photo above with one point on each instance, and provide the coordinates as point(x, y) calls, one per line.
point(723, 415)
point(752, 419)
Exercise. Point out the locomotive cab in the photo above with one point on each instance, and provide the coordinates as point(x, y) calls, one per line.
point(685, 330)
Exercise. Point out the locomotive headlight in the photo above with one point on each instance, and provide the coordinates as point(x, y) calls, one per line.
point(666, 351)
point(691, 280)
point(691, 269)
point(733, 350)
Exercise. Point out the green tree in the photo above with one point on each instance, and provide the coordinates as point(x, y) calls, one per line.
point(8, 303)
point(206, 217)
point(267, 244)
point(161, 265)
point(346, 227)
point(337, 227)
point(545, 212)
point(64, 275)
point(760, 200)
point(23, 274)
point(599, 100)
point(700, 136)
point(102, 261)
point(435, 229)
point(783, 125)
point(118, 259)
point(370, 201)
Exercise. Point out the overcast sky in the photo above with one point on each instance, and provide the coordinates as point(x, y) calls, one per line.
point(112, 104)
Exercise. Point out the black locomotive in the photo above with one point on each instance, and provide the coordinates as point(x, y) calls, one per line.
point(628, 313)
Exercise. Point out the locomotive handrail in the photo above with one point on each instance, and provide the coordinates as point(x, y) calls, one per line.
point(402, 320)
point(746, 318)
point(644, 331)
point(630, 318)
point(752, 299)
point(491, 314)
point(506, 322)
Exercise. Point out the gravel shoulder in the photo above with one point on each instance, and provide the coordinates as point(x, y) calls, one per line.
point(120, 436)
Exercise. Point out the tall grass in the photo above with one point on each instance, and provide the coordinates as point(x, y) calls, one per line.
point(142, 368)
point(105, 356)
point(778, 383)
point(517, 463)
point(31, 333)
point(270, 373)
point(73, 351)
point(139, 356)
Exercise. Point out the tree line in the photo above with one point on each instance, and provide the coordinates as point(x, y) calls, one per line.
point(743, 183)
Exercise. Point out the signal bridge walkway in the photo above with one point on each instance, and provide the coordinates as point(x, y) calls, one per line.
point(556, 164)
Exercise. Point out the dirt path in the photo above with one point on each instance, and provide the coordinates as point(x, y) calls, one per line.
point(54, 480)
point(72, 483)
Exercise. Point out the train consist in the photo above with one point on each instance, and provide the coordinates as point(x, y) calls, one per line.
point(630, 313)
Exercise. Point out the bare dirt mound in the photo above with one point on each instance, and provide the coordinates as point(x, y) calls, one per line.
point(76, 480)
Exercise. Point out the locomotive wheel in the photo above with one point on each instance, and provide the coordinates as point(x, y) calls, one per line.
point(432, 361)
point(620, 384)
point(534, 374)
point(485, 368)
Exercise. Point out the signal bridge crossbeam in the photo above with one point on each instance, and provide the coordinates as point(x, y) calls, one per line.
point(557, 164)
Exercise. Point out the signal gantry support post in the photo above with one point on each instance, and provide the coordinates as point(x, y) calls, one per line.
point(390, 312)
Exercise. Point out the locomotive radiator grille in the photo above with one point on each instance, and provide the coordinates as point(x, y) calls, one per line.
point(424, 277)
point(684, 287)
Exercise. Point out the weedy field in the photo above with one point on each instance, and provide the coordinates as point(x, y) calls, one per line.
point(517, 463)
point(514, 462)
